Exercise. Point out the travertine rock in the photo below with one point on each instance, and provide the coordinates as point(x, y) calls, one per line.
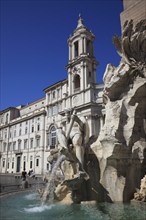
point(121, 146)
point(141, 194)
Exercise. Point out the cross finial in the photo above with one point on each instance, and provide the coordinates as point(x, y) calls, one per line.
point(80, 21)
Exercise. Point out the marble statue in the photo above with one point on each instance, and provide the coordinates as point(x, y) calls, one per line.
point(73, 143)
point(71, 148)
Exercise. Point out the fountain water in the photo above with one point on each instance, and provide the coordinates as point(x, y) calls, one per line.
point(49, 190)
point(26, 206)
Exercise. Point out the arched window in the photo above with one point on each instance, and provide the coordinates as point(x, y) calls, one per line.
point(52, 137)
point(76, 83)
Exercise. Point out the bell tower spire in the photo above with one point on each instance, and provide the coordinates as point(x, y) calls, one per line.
point(80, 22)
point(82, 63)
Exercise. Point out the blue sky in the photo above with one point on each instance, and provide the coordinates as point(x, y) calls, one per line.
point(34, 50)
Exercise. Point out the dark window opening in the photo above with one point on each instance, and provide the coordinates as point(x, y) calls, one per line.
point(30, 164)
point(32, 129)
point(76, 46)
point(47, 166)
point(3, 163)
point(37, 162)
point(24, 165)
point(38, 128)
point(12, 165)
point(76, 83)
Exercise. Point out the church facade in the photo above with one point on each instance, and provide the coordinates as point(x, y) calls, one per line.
point(28, 133)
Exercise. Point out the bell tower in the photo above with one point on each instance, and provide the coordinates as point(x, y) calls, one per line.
point(82, 63)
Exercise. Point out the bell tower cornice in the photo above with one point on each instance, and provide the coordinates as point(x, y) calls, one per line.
point(83, 59)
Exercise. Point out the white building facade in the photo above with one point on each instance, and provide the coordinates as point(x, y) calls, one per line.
point(27, 133)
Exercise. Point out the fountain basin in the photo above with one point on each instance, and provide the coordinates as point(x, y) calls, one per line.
point(27, 206)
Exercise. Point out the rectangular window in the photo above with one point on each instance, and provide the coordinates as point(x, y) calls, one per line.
point(58, 93)
point(31, 164)
point(24, 165)
point(3, 163)
point(25, 144)
point(47, 166)
point(49, 97)
point(37, 162)
point(53, 95)
point(37, 142)
point(31, 143)
point(12, 165)
point(38, 127)
point(19, 145)
point(14, 146)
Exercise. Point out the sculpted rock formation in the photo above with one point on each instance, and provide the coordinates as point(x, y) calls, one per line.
point(110, 168)
point(121, 145)
point(140, 195)
point(68, 187)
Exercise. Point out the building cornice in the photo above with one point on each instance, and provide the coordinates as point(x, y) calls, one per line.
point(53, 86)
point(83, 106)
point(23, 118)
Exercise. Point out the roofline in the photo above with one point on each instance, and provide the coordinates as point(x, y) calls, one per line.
point(31, 103)
point(23, 106)
point(55, 84)
point(7, 109)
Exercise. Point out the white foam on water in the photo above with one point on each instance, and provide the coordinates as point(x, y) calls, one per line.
point(39, 209)
point(31, 196)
